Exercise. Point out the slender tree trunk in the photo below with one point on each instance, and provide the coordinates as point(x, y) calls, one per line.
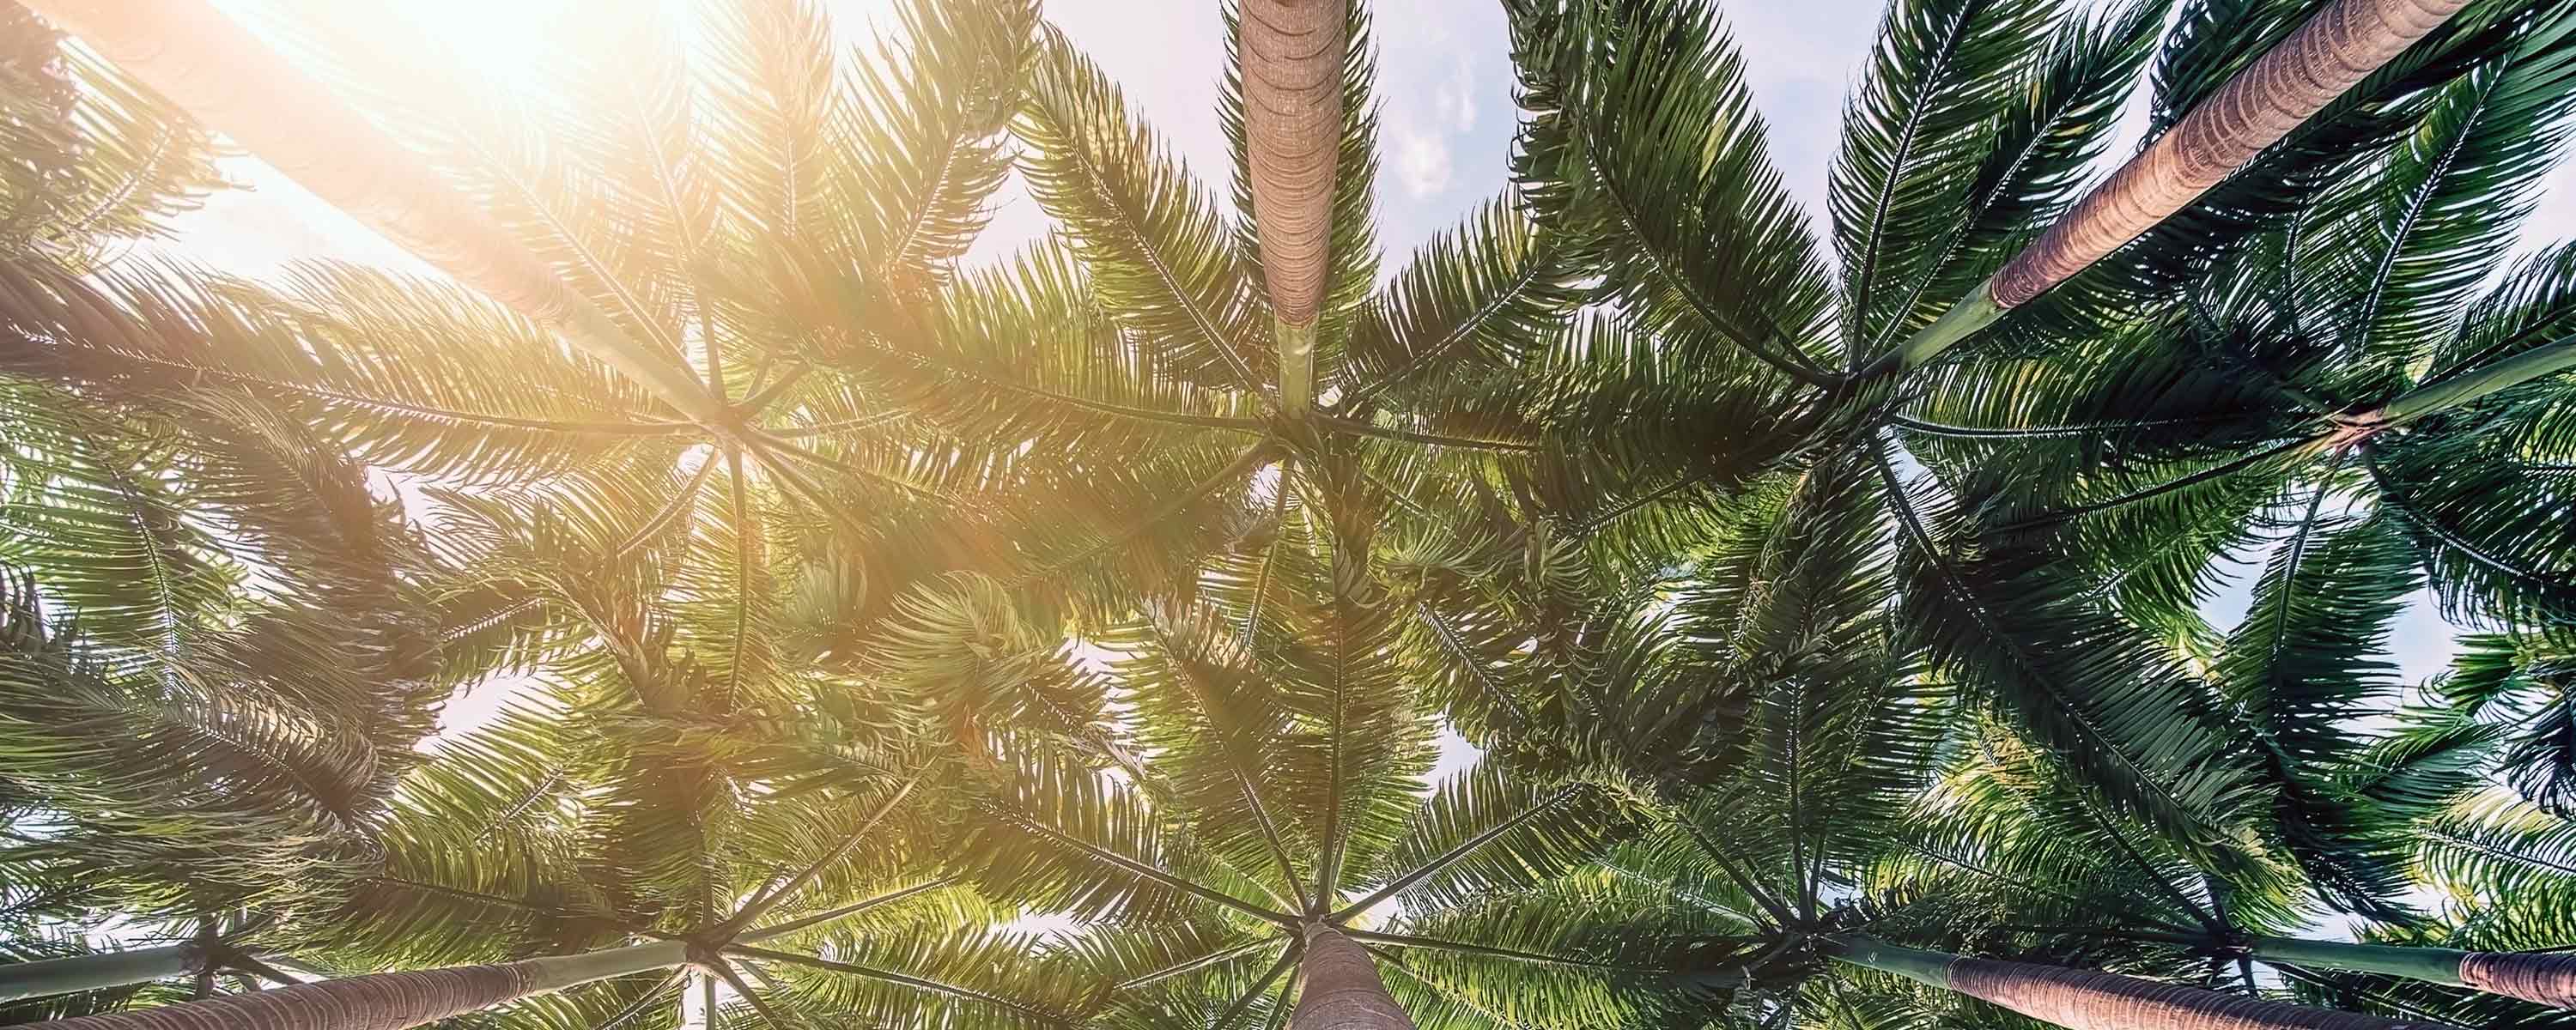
point(2545, 979)
point(389, 1001)
point(1340, 987)
point(95, 972)
point(2332, 52)
point(2541, 978)
point(2081, 999)
point(2335, 50)
point(2466, 387)
point(222, 75)
point(1292, 53)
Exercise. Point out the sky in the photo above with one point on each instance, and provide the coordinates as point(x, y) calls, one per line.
point(1446, 117)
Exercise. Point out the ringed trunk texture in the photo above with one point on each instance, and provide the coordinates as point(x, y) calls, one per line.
point(2325, 57)
point(2540, 978)
point(388, 1001)
point(1292, 53)
point(225, 78)
point(1340, 989)
point(2088, 1000)
point(2545, 979)
point(2081, 999)
point(96, 972)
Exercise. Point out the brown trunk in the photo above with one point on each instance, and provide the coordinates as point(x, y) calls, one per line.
point(1291, 53)
point(2260, 105)
point(386, 1001)
point(223, 76)
point(2085, 1000)
point(1339, 987)
point(389, 1001)
point(2546, 979)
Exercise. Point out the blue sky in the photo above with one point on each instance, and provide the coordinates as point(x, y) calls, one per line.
point(1446, 124)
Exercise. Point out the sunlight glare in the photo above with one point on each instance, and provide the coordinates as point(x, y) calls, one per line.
point(505, 41)
point(503, 44)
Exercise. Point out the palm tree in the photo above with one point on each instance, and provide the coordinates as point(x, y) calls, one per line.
point(720, 765)
point(1255, 802)
point(209, 664)
point(565, 829)
point(2513, 687)
point(749, 312)
point(1826, 797)
point(1413, 501)
point(2018, 833)
point(1788, 893)
point(2334, 51)
point(100, 161)
point(1142, 240)
point(2375, 357)
point(2500, 864)
point(222, 75)
point(1291, 57)
point(687, 625)
point(1763, 359)
point(2086, 1000)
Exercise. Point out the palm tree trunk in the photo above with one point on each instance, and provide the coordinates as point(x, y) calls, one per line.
point(1340, 989)
point(2541, 978)
point(2082, 999)
point(2467, 387)
point(1292, 53)
point(2544, 979)
point(2336, 49)
point(222, 75)
point(96, 972)
point(390, 1001)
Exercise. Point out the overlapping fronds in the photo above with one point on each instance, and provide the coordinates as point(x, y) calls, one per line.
point(1034, 644)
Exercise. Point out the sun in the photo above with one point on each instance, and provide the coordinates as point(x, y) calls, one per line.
point(503, 44)
point(502, 40)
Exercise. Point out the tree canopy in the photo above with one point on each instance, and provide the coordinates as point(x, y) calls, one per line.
point(1649, 603)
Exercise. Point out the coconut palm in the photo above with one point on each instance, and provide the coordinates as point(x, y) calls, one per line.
point(644, 809)
point(2357, 343)
point(212, 669)
point(1968, 138)
point(583, 551)
point(2015, 834)
point(1414, 500)
point(2299, 76)
point(1255, 800)
point(1826, 806)
point(739, 230)
point(512, 841)
point(1827, 798)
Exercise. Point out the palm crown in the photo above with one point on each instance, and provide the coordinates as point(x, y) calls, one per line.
point(1819, 596)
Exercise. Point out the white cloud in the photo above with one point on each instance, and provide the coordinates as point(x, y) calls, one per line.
point(2553, 220)
point(1422, 163)
point(1440, 73)
point(1454, 103)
